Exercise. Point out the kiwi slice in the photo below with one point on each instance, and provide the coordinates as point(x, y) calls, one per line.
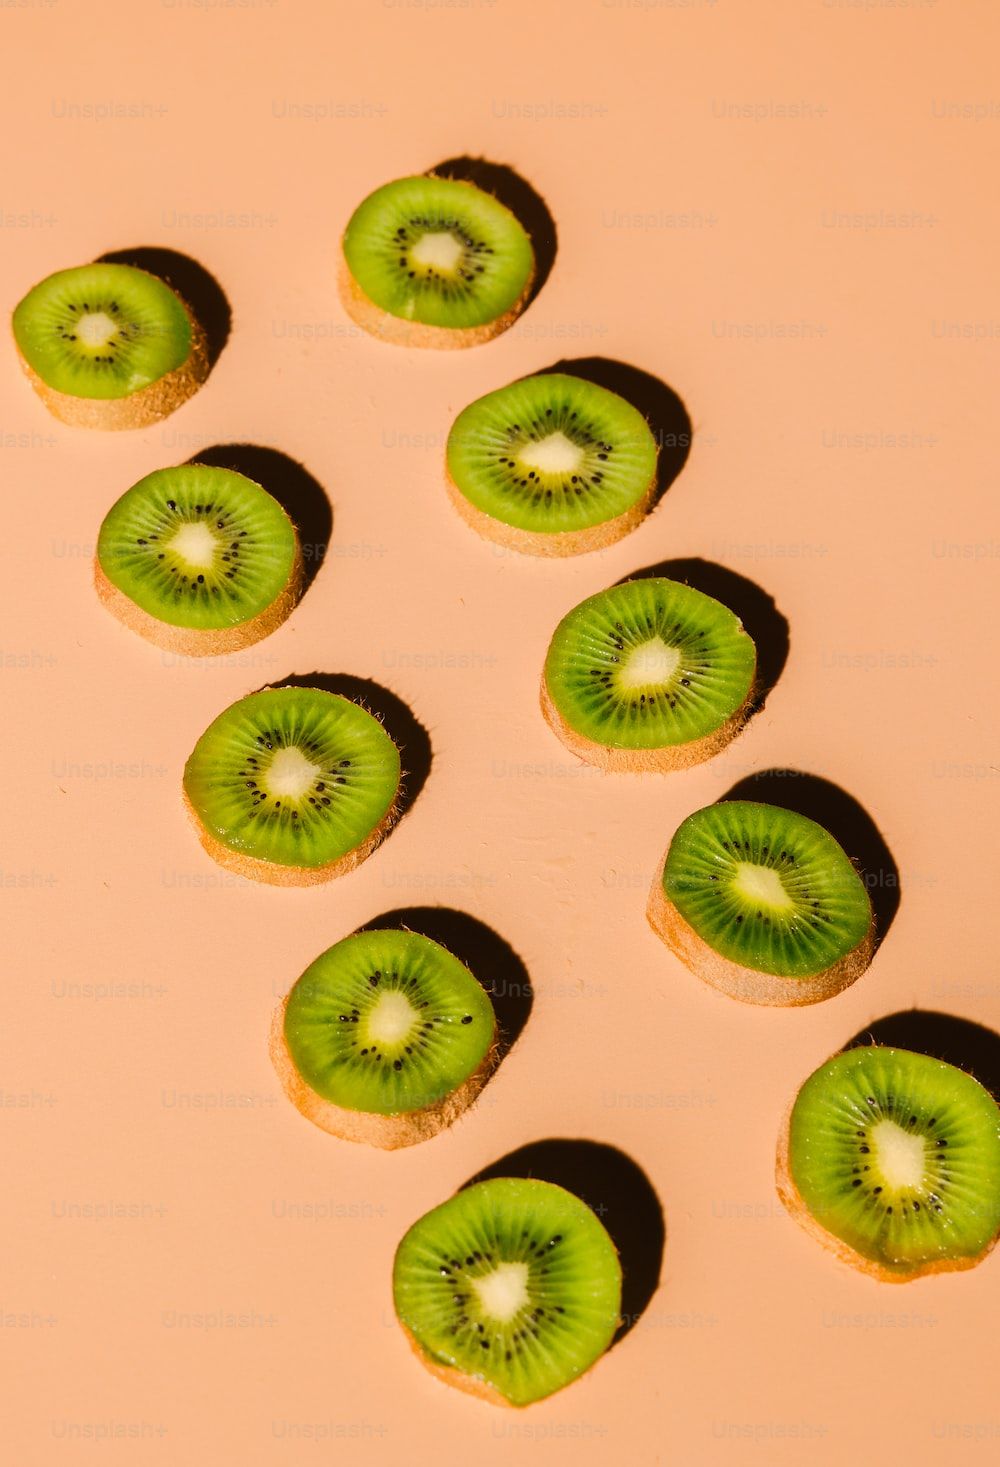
point(198, 560)
point(509, 1290)
point(892, 1160)
point(551, 465)
point(386, 1038)
point(435, 262)
point(292, 786)
point(762, 903)
point(650, 675)
point(109, 346)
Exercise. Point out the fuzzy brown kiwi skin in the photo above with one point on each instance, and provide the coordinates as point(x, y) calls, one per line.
point(381, 324)
point(399, 332)
point(274, 873)
point(556, 544)
point(748, 985)
point(203, 641)
point(150, 404)
point(474, 1385)
point(470, 1385)
point(644, 761)
point(389, 1132)
point(793, 1201)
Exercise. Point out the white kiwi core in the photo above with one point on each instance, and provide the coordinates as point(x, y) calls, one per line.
point(96, 329)
point(440, 251)
point(762, 885)
point(392, 1017)
point(196, 544)
point(650, 664)
point(900, 1156)
point(290, 774)
point(555, 454)
point(503, 1291)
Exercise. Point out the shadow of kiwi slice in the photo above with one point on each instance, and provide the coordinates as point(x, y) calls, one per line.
point(435, 262)
point(509, 1290)
point(892, 1160)
point(292, 786)
point(198, 560)
point(109, 346)
point(763, 903)
point(551, 465)
point(649, 675)
point(386, 1038)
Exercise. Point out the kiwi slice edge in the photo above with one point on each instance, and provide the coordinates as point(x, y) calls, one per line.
point(272, 873)
point(874, 1261)
point(554, 545)
point(388, 1129)
point(141, 408)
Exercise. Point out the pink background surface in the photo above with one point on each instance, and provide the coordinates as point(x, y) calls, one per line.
point(727, 180)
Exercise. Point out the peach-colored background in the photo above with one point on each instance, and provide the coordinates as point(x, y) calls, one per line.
point(727, 180)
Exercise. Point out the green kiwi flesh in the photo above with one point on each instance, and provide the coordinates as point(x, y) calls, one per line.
point(552, 454)
point(649, 664)
point(102, 331)
point(510, 1290)
point(198, 547)
point(766, 888)
point(896, 1157)
point(295, 777)
point(438, 252)
point(387, 1022)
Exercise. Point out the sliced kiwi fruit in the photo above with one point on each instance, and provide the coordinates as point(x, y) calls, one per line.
point(892, 1160)
point(649, 675)
point(292, 786)
point(109, 346)
point(509, 1290)
point(551, 465)
point(763, 903)
point(386, 1038)
point(435, 262)
point(198, 560)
